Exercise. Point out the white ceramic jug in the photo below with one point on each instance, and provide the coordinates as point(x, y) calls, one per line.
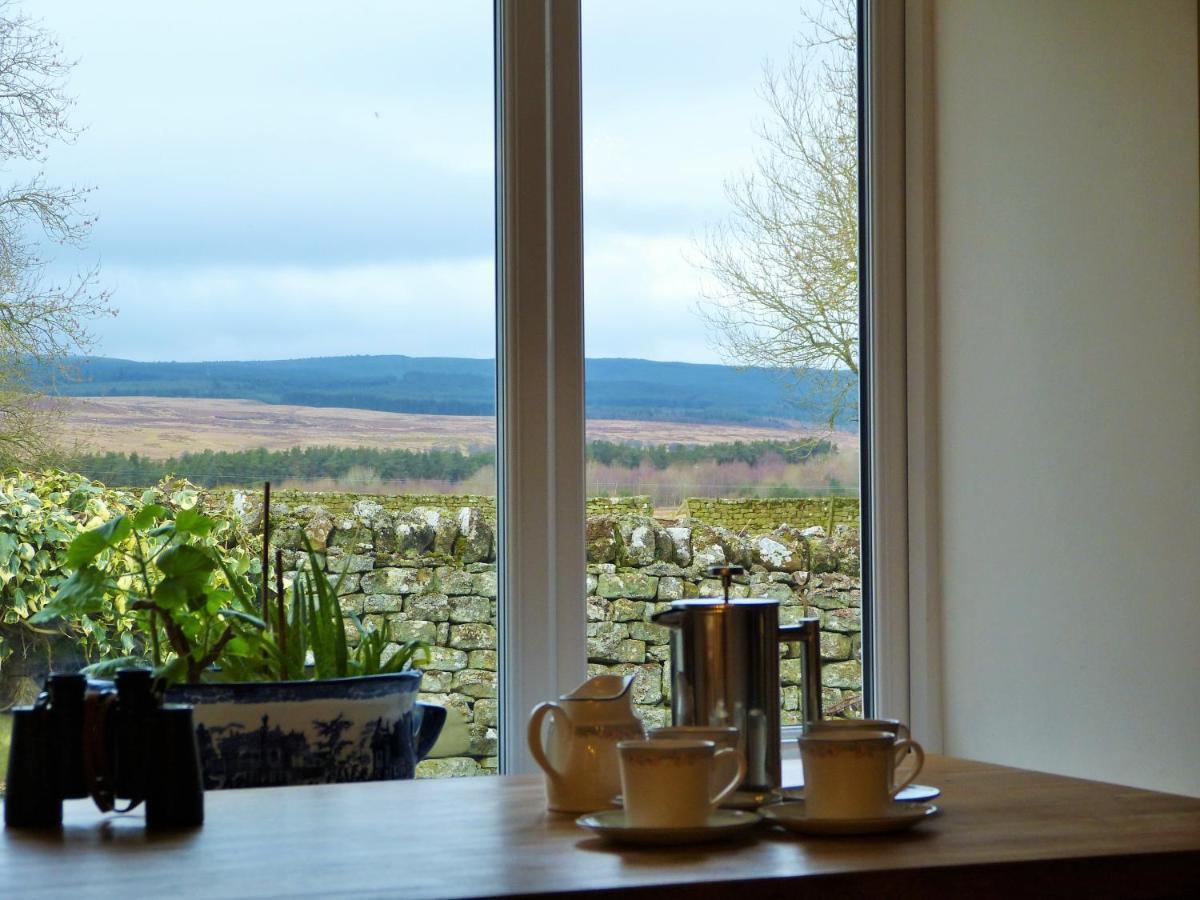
point(580, 754)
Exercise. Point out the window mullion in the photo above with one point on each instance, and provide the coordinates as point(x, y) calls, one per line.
point(540, 359)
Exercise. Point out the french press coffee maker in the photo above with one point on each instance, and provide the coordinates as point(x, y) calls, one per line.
point(725, 671)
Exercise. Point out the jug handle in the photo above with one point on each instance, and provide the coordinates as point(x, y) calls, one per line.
point(535, 736)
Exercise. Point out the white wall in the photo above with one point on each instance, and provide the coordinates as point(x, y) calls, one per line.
point(1068, 270)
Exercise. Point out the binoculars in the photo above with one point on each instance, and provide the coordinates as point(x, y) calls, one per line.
point(105, 740)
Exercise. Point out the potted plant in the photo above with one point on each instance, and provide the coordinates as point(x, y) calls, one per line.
point(285, 697)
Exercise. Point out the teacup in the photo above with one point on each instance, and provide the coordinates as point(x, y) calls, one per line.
point(720, 735)
point(850, 773)
point(894, 727)
point(668, 782)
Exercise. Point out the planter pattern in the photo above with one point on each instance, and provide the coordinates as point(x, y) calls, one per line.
point(310, 732)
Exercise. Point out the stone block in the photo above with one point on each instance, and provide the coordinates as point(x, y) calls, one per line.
point(470, 609)
point(835, 646)
point(450, 767)
point(475, 683)
point(842, 674)
point(712, 587)
point(453, 581)
point(436, 682)
point(627, 610)
point(681, 545)
point(843, 620)
point(791, 671)
point(589, 584)
point(662, 569)
point(670, 588)
point(638, 540)
point(475, 536)
point(484, 584)
point(483, 741)
point(414, 535)
point(707, 549)
point(631, 651)
point(430, 607)
point(482, 659)
point(383, 603)
point(647, 681)
point(773, 591)
point(403, 629)
point(791, 697)
point(630, 585)
point(350, 564)
point(352, 603)
point(604, 640)
point(473, 636)
point(487, 711)
point(394, 580)
point(444, 525)
point(601, 539)
point(445, 659)
point(443, 633)
point(598, 610)
point(827, 600)
point(658, 652)
point(778, 554)
point(347, 584)
point(649, 632)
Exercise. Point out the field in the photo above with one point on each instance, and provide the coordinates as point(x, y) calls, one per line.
point(162, 427)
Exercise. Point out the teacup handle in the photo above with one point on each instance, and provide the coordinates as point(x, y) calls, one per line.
point(737, 778)
point(536, 748)
point(902, 747)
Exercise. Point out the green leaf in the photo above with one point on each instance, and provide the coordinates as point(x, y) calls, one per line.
point(170, 593)
point(190, 521)
point(148, 515)
point(190, 566)
point(90, 544)
point(79, 595)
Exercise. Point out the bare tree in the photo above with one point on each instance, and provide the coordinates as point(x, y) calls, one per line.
point(42, 320)
point(786, 260)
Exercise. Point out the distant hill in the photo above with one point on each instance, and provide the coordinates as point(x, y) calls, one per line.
point(616, 388)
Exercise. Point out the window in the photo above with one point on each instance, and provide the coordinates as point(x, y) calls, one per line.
point(542, 443)
point(720, 177)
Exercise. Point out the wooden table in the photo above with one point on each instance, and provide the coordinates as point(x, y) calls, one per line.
point(1001, 832)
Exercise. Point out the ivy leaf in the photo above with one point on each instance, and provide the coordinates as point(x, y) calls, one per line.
point(92, 543)
point(190, 521)
point(81, 594)
point(148, 515)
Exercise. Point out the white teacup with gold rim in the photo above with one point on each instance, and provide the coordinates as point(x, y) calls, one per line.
point(722, 736)
point(668, 783)
point(850, 773)
point(894, 727)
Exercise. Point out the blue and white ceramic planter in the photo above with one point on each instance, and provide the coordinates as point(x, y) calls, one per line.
point(264, 734)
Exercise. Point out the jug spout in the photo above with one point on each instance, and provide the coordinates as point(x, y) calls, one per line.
point(602, 687)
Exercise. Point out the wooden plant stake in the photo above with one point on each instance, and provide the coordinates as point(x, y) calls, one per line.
point(266, 551)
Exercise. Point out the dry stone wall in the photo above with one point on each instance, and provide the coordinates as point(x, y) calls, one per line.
point(429, 572)
point(759, 514)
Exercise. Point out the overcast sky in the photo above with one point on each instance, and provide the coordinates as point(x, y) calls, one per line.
point(284, 178)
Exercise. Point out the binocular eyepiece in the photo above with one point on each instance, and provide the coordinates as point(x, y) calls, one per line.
point(106, 740)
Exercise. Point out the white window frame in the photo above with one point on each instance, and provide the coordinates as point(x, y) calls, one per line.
point(540, 353)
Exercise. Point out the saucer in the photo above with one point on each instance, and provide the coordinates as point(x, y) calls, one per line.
point(793, 816)
point(747, 800)
point(911, 794)
point(610, 824)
